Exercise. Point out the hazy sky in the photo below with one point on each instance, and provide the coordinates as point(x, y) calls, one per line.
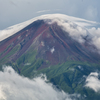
point(16, 11)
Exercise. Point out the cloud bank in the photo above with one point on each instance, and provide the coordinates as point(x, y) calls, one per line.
point(16, 87)
point(93, 81)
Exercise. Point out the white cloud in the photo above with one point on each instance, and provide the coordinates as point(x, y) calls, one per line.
point(16, 87)
point(93, 82)
point(95, 33)
point(12, 30)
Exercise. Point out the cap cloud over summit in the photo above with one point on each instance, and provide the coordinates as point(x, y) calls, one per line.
point(77, 28)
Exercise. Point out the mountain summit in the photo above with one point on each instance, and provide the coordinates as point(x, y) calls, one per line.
point(51, 42)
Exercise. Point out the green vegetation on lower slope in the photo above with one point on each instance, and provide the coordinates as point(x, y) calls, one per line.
point(7, 58)
point(27, 63)
point(68, 76)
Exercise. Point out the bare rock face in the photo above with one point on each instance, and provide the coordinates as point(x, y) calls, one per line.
point(51, 43)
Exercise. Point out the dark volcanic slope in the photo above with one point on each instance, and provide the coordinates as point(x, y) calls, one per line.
point(51, 43)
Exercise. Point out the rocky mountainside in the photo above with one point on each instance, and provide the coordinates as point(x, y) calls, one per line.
point(51, 43)
point(47, 48)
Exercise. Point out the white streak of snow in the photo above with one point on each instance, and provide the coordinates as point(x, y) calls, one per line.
point(52, 50)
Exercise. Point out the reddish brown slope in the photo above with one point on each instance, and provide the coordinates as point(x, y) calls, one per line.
point(51, 42)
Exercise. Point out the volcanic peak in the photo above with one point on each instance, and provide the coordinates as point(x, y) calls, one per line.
point(51, 43)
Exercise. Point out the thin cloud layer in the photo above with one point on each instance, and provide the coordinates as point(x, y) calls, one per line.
point(93, 82)
point(16, 87)
point(41, 11)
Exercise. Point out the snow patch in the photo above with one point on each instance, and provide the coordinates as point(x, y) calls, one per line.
point(80, 67)
point(42, 43)
point(27, 64)
point(52, 50)
point(72, 69)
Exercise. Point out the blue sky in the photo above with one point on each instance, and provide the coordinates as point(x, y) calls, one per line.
point(16, 11)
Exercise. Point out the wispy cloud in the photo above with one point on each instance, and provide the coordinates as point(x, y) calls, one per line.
point(42, 11)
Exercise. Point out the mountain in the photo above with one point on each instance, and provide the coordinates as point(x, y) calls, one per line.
point(53, 46)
